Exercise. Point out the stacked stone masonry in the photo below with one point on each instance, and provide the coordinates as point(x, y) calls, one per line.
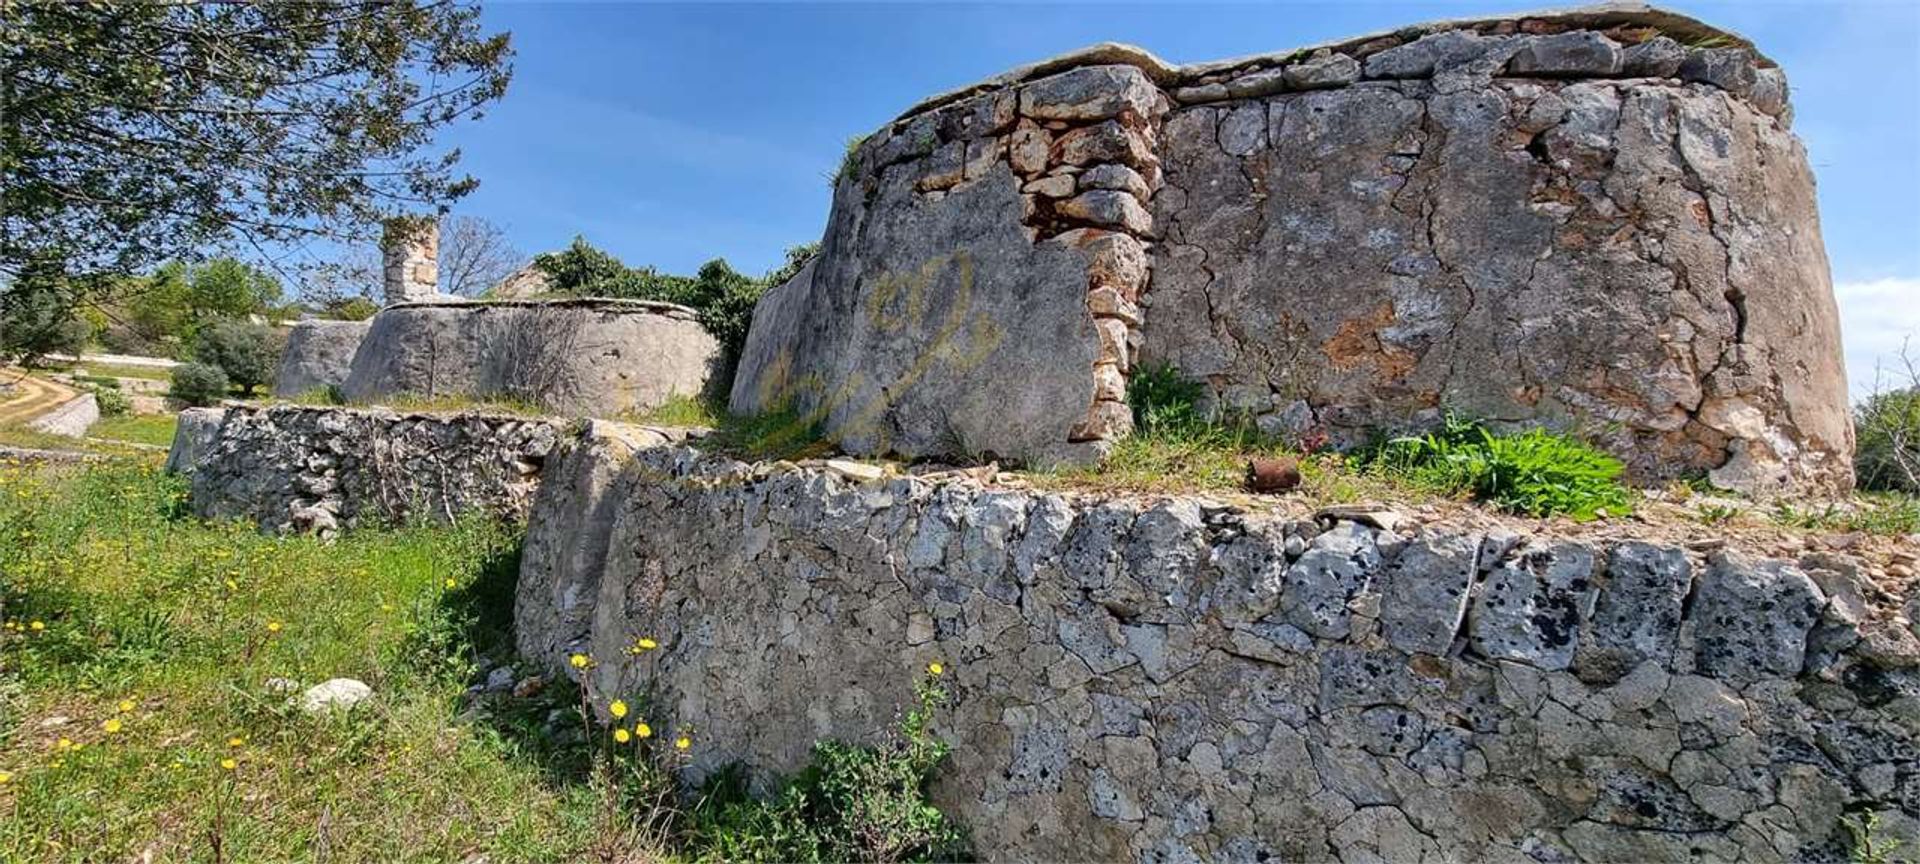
point(1175, 680)
point(305, 469)
point(1571, 219)
point(410, 259)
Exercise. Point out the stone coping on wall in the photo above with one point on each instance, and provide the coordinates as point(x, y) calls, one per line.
point(600, 304)
point(1606, 16)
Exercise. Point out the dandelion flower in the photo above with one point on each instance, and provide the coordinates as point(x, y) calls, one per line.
point(5, 777)
point(386, 607)
point(236, 741)
point(578, 661)
point(232, 585)
point(935, 668)
point(126, 706)
point(58, 762)
point(620, 734)
point(63, 744)
point(643, 730)
point(682, 742)
point(37, 625)
point(646, 644)
point(112, 725)
point(229, 763)
point(451, 583)
point(273, 626)
point(618, 709)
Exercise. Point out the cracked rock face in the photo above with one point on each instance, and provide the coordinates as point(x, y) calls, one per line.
point(1568, 219)
point(319, 355)
point(596, 358)
point(1173, 680)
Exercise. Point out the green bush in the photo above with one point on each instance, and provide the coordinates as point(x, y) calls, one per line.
point(351, 309)
point(38, 317)
point(247, 353)
point(849, 804)
point(1887, 453)
point(1534, 473)
point(1165, 403)
point(198, 383)
point(112, 402)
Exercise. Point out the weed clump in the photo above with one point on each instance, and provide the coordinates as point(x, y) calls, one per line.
point(1533, 473)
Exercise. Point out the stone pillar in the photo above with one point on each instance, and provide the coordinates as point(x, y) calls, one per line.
point(410, 258)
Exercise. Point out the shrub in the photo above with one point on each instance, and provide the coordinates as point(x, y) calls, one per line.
point(246, 352)
point(351, 309)
point(112, 402)
point(1887, 454)
point(1535, 473)
point(37, 318)
point(198, 383)
point(849, 804)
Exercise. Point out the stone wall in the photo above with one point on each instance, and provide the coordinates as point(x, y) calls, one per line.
point(1567, 219)
point(1174, 680)
point(410, 259)
point(71, 418)
point(580, 357)
point(313, 469)
point(319, 355)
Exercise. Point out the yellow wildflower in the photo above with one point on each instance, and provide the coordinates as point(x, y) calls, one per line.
point(643, 730)
point(229, 763)
point(232, 585)
point(126, 706)
point(386, 607)
point(236, 741)
point(646, 644)
point(5, 777)
point(63, 744)
point(273, 626)
point(451, 583)
point(620, 735)
point(935, 668)
point(618, 709)
point(112, 725)
point(579, 661)
point(682, 742)
point(37, 625)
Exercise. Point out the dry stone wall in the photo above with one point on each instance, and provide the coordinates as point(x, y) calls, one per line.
point(1570, 219)
point(579, 357)
point(1175, 680)
point(296, 468)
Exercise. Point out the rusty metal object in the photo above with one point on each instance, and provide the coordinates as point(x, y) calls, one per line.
point(1280, 474)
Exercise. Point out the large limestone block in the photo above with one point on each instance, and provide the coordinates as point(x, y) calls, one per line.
point(319, 355)
point(585, 357)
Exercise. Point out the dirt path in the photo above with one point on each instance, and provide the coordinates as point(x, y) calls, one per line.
point(29, 398)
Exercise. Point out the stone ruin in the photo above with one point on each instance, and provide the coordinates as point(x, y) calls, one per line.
point(410, 259)
point(1570, 219)
point(1565, 219)
point(569, 356)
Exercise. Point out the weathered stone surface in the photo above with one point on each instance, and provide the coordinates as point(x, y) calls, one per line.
point(194, 430)
point(296, 468)
point(1090, 93)
point(410, 259)
point(1575, 54)
point(1658, 57)
point(596, 358)
point(334, 695)
point(319, 355)
point(1530, 607)
point(1637, 617)
point(1510, 218)
point(1751, 619)
point(1730, 69)
point(1128, 681)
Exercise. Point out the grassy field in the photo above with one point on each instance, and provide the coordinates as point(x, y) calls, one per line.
point(151, 429)
point(143, 718)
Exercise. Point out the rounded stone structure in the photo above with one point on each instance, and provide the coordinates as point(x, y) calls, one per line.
point(319, 355)
point(589, 357)
point(1568, 219)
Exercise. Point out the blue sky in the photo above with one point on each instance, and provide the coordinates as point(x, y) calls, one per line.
point(672, 134)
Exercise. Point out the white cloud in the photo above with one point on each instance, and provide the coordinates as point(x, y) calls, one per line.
point(1876, 318)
